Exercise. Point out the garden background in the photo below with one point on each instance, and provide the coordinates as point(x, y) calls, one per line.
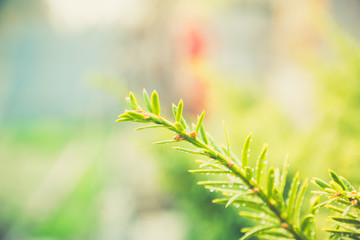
point(286, 70)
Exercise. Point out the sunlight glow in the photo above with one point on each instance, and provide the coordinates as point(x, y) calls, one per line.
point(82, 14)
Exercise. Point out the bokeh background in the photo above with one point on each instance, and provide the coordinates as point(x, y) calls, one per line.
point(287, 70)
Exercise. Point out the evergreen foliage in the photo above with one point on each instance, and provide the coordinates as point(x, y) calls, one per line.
point(258, 192)
point(343, 199)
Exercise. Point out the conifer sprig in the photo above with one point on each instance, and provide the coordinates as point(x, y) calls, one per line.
point(257, 191)
point(342, 198)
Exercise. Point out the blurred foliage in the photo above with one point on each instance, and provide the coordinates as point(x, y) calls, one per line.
point(42, 197)
point(337, 87)
point(208, 221)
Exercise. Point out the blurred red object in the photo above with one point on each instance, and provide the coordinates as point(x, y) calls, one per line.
point(195, 43)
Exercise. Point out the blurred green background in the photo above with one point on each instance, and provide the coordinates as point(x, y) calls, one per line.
point(286, 70)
